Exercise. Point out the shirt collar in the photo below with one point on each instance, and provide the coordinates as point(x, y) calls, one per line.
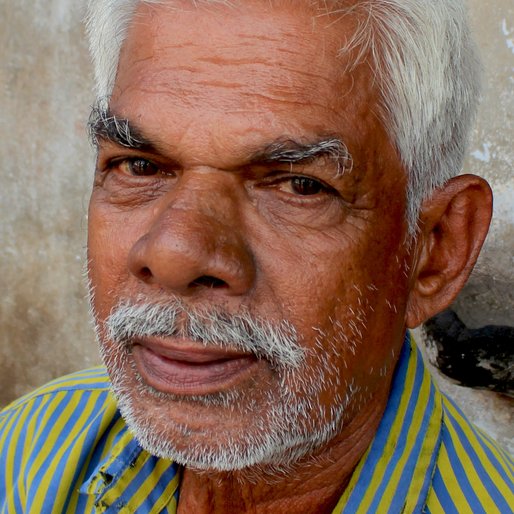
point(395, 473)
point(132, 480)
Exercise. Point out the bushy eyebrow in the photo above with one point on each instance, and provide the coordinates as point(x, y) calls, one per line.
point(105, 126)
point(294, 152)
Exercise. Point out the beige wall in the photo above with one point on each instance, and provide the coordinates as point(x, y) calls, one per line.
point(489, 295)
point(45, 175)
point(46, 168)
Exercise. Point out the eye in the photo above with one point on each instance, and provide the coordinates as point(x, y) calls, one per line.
point(306, 186)
point(140, 167)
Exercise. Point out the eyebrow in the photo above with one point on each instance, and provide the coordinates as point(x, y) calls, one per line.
point(295, 152)
point(106, 126)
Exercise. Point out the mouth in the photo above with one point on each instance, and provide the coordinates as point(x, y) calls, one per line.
point(186, 368)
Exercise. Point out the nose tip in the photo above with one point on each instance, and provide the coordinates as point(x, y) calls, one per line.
point(186, 253)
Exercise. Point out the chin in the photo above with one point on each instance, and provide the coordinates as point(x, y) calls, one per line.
point(212, 432)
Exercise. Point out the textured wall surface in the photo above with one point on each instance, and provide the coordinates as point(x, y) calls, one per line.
point(489, 295)
point(46, 173)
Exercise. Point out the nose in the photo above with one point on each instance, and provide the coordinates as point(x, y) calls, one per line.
point(194, 242)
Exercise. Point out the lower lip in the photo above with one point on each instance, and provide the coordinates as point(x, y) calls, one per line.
point(186, 378)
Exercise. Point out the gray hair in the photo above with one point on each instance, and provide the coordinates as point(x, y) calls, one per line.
point(425, 64)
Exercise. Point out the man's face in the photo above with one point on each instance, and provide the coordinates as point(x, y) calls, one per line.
point(240, 202)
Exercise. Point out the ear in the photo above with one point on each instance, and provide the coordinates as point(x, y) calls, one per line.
point(453, 225)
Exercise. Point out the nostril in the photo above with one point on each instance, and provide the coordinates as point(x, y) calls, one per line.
point(208, 281)
point(145, 273)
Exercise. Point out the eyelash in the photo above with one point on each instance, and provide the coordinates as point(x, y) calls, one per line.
point(119, 163)
point(322, 187)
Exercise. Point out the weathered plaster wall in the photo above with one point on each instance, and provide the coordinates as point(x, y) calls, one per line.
point(489, 295)
point(45, 173)
point(45, 178)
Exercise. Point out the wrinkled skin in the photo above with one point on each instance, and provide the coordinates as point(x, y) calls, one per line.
point(208, 96)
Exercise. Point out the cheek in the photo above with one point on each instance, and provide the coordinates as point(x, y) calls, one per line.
point(368, 322)
point(325, 273)
point(110, 237)
point(346, 296)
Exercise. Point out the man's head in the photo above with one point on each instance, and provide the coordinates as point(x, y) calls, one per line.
point(264, 224)
point(422, 59)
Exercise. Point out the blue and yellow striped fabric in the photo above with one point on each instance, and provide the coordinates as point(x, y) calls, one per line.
point(65, 448)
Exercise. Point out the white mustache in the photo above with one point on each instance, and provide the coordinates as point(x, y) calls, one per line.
point(276, 342)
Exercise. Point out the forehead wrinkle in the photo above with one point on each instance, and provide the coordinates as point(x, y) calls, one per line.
point(234, 65)
point(190, 87)
point(278, 51)
point(273, 39)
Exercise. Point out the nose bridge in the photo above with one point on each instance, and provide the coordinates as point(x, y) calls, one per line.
point(208, 195)
point(195, 237)
point(203, 208)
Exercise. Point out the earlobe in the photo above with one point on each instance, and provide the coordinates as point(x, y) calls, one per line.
point(453, 225)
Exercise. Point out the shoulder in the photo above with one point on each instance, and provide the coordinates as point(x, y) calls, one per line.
point(93, 379)
point(52, 438)
point(472, 472)
point(62, 402)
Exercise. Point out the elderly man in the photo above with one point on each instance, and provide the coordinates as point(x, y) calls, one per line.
point(274, 205)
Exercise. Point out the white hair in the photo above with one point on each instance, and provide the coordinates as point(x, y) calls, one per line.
point(424, 61)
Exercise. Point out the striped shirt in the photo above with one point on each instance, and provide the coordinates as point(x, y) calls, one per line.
point(65, 448)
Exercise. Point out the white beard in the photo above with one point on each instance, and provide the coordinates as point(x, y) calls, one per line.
point(288, 422)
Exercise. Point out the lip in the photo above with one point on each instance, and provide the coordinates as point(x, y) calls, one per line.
point(183, 367)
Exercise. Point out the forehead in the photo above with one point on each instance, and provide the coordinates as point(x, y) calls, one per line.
point(259, 67)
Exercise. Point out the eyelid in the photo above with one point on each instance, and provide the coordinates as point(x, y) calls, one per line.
point(117, 161)
point(131, 158)
point(284, 176)
point(113, 153)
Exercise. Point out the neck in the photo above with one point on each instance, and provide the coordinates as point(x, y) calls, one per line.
point(313, 484)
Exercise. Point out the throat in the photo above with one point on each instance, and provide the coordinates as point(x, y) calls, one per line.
point(313, 484)
point(228, 494)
